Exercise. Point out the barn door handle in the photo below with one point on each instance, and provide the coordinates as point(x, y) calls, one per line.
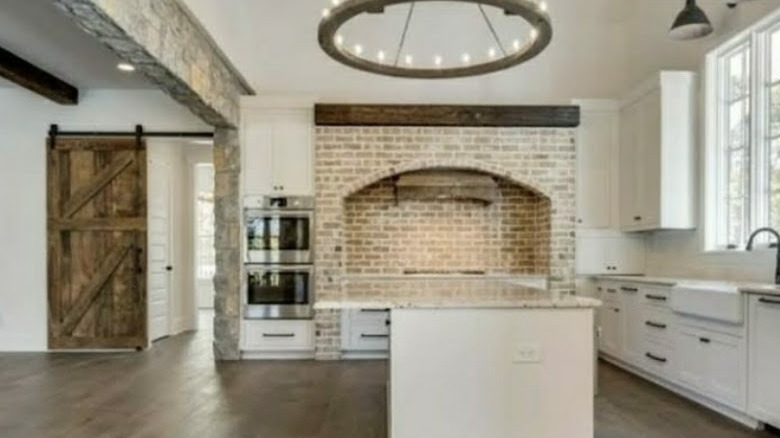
point(139, 260)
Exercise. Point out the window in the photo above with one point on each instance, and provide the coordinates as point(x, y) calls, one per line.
point(204, 221)
point(744, 142)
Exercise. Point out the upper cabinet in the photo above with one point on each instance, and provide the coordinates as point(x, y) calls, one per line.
point(657, 154)
point(278, 145)
point(597, 140)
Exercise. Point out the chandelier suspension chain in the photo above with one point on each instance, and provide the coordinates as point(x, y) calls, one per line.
point(492, 29)
point(403, 34)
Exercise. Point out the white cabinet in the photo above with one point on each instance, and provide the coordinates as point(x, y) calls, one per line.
point(632, 349)
point(597, 140)
point(712, 363)
point(278, 146)
point(277, 339)
point(764, 358)
point(610, 319)
point(656, 159)
point(599, 254)
point(365, 333)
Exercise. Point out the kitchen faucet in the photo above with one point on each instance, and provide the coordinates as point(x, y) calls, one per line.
point(777, 236)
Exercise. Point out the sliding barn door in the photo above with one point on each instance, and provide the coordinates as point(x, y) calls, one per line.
point(97, 240)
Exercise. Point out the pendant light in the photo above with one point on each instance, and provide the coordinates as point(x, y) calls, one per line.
point(691, 23)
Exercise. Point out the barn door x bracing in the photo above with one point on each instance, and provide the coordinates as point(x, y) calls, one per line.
point(97, 240)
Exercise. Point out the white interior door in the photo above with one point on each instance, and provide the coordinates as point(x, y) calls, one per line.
point(160, 264)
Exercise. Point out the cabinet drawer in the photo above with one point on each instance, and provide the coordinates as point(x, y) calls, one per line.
point(368, 339)
point(375, 316)
point(280, 335)
point(610, 292)
point(658, 324)
point(655, 296)
point(658, 358)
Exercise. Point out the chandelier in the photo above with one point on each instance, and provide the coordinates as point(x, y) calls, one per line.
point(401, 62)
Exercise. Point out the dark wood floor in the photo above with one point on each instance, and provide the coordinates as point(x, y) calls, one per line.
point(176, 390)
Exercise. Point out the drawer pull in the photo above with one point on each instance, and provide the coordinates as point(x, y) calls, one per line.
point(629, 289)
point(704, 340)
point(374, 310)
point(655, 358)
point(370, 336)
point(769, 301)
point(637, 218)
point(278, 335)
point(655, 297)
point(616, 310)
point(655, 324)
point(612, 291)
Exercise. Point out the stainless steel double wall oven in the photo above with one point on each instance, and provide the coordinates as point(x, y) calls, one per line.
point(279, 257)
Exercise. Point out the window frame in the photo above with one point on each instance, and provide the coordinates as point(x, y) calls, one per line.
point(757, 39)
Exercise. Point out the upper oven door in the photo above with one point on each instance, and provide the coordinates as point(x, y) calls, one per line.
point(279, 237)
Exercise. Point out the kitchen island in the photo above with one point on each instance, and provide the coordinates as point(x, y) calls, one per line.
point(482, 358)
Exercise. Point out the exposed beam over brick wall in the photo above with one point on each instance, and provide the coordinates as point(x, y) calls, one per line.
point(170, 47)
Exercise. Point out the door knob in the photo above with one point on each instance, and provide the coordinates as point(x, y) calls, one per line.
point(169, 268)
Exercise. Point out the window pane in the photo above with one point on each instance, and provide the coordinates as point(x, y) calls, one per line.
point(774, 114)
point(774, 184)
point(739, 123)
point(738, 74)
point(775, 57)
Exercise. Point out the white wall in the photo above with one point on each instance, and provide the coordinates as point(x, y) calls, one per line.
point(24, 122)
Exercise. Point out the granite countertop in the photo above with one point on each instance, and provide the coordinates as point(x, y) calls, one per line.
point(383, 293)
point(744, 287)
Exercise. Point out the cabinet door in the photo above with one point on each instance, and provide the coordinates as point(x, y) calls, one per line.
point(594, 151)
point(764, 353)
point(292, 154)
point(726, 370)
point(629, 120)
point(611, 336)
point(590, 256)
point(627, 254)
point(633, 327)
point(258, 158)
point(692, 369)
point(647, 187)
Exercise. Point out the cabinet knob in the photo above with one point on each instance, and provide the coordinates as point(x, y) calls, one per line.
point(637, 218)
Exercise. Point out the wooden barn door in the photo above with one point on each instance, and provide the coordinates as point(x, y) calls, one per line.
point(97, 243)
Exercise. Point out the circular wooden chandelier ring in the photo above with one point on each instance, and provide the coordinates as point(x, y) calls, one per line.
point(527, 9)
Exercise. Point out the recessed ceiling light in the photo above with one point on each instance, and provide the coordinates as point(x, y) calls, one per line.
point(126, 67)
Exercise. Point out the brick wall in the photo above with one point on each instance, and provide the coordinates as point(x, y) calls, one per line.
point(382, 237)
point(353, 163)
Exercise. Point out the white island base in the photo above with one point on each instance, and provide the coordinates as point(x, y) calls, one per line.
point(516, 364)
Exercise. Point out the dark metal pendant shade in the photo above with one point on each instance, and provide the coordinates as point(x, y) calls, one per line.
point(691, 23)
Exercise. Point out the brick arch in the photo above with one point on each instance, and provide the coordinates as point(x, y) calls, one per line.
point(458, 164)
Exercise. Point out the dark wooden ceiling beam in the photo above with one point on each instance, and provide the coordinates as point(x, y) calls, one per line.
point(447, 115)
point(27, 75)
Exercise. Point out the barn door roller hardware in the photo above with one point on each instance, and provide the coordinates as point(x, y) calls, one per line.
point(138, 133)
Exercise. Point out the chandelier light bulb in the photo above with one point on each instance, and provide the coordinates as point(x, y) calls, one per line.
point(408, 59)
point(491, 53)
point(437, 60)
point(381, 56)
point(516, 45)
point(543, 6)
point(466, 58)
point(335, 2)
point(534, 33)
point(358, 49)
point(325, 13)
point(339, 40)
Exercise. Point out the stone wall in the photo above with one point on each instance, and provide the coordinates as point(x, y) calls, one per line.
point(349, 159)
point(389, 237)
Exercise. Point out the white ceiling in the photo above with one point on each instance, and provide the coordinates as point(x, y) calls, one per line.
point(38, 32)
point(599, 48)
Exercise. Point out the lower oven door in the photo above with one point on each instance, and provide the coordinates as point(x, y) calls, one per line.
point(284, 292)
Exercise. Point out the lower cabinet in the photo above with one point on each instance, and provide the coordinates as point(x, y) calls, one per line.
point(277, 339)
point(764, 359)
point(700, 358)
point(365, 333)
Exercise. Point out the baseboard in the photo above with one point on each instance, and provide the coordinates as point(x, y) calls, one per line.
point(734, 414)
point(364, 355)
point(277, 355)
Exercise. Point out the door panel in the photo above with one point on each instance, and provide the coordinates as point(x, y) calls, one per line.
point(159, 249)
point(96, 206)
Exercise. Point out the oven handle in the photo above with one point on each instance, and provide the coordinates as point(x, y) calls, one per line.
point(258, 268)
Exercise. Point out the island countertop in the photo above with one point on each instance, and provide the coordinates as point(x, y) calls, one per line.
point(384, 293)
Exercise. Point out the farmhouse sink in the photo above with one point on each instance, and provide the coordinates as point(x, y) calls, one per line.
point(718, 301)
